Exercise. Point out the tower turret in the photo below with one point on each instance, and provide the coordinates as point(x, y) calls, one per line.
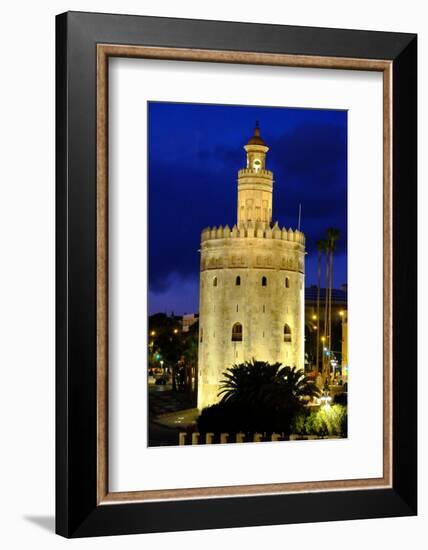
point(255, 183)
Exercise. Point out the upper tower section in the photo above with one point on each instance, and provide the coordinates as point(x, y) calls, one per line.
point(256, 151)
point(255, 183)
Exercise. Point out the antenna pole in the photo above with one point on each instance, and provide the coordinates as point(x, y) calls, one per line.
point(299, 217)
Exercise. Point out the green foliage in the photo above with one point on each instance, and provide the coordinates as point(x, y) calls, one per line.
point(258, 397)
point(274, 385)
point(167, 341)
point(322, 421)
point(333, 235)
point(299, 423)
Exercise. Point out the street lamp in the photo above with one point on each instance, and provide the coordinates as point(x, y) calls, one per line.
point(153, 333)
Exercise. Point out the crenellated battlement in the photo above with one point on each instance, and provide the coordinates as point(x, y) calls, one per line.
point(250, 230)
point(251, 172)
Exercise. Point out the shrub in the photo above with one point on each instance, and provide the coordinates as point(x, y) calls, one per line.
point(322, 422)
point(220, 418)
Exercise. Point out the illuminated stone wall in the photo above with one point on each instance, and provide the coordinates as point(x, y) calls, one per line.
point(262, 311)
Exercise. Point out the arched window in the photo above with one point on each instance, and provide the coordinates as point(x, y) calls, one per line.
point(287, 333)
point(237, 332)
point(264, 281)
point(215, 281)
point(287, 282)
point(238, 281)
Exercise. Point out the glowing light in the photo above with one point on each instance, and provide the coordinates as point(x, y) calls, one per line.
point(341, 313)
point(153, 333)
point(314, 317)
point(325, 400)
point(176, 331)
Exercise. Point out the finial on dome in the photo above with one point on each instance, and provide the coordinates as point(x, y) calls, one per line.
point(256, 139)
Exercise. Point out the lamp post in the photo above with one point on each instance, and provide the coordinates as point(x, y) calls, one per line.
point(344, 353)
point(324, 374)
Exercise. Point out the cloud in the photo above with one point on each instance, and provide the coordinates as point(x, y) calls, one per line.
point(181, 294)
point(186, 201)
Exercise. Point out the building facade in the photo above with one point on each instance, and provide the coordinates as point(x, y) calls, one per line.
point(251, 283)
point(188, 320)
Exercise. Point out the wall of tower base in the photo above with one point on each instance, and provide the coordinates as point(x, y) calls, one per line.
point(207, 395)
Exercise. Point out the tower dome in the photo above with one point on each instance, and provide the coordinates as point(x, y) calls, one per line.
point(255, 139)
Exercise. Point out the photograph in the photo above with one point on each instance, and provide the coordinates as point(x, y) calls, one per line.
point(247, 266)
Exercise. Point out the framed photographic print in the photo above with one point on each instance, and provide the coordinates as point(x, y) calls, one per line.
point(236, 274)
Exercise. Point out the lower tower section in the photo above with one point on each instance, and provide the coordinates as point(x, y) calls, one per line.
point(251, 300)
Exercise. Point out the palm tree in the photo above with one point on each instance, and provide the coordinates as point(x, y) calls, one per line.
point(266, 396)
point(333, 235)
point(326, 310)
point(321, 247)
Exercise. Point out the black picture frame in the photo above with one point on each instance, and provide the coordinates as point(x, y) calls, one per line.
point(77, 511)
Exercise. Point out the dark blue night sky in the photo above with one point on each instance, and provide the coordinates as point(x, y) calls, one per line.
point(195, 152)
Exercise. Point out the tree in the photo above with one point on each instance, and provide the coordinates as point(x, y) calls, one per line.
point(164, 337)
point(333, 235)
point(259, 397)
point(326, 310)
point(190, 355)
point(321, 248)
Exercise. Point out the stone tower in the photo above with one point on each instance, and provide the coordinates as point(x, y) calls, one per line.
point(251, 283)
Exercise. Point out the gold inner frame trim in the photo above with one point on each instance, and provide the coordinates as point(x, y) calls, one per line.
point(104, 51)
